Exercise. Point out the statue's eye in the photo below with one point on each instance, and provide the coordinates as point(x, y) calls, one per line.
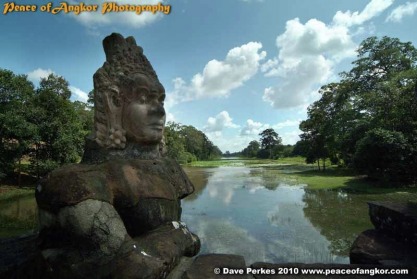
point(161, 98)
point(142, 95)
point(142, 99)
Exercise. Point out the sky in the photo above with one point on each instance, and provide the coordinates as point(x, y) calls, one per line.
point(230, 68)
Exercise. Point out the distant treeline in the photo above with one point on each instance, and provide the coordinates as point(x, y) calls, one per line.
point(269, 146)
point(186, 144)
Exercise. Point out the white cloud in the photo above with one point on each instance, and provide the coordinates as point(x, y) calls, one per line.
point(269, 65)
point(307, 54)
point(253, 128)
point(286, 123)
point(218, 123)
point(93, 19)
point(170, 117)
point(312, 39)
point(374, 8)
point(408, 9)
point(290, 137)
point(36, 75)
point(233, 144)
point(219, 78)
point(288, 132)
point(78, 94)
point(296, 89)
point(178, 95)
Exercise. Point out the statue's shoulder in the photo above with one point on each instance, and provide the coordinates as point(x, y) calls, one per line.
point(71, 184)
point(177, 176)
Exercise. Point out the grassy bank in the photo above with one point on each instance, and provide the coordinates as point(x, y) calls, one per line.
point(295, 168)
point(9, 187)
point(18, 211)
point(8, 192)
point(248, 162)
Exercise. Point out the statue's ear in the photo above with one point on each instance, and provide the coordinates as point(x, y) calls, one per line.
point(116, 101)
point(115, 98)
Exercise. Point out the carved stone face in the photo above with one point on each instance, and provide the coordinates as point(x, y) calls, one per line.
point(143, 116)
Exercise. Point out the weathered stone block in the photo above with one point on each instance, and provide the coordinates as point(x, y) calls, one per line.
point(372, 247)
point(398, 220)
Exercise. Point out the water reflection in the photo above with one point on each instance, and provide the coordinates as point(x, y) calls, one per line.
point(338, 216)
point(257, 213)
point(18, 216)
point(254, 212)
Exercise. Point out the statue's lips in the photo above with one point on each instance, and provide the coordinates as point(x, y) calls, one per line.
point(156, 126)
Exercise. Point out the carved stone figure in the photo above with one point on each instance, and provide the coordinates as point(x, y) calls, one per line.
point(117, 213)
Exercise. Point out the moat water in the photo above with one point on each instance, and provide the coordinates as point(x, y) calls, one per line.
point(256, 212)
point(264, 216)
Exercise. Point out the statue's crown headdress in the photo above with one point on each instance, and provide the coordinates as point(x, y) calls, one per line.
point(124, 59)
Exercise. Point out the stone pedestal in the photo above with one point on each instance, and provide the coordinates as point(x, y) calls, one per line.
point(393, 241)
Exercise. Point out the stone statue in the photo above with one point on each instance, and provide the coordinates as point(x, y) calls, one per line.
point(117, 213)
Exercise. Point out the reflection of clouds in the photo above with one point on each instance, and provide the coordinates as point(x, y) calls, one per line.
point(235, 213)
point(254, 188)
point(342, 195)
point(222, 236)
point(223, 183)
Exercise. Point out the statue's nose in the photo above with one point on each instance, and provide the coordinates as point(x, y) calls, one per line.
point(158, 109)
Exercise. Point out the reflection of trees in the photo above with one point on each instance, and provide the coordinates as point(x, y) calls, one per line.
point(271, 178)
point(199, 177)
point(17, 216)
point(340, 217)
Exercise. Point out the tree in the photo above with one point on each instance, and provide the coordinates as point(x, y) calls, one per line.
point(287, 150)
point(374, 102)
point(61, 129)
point(271, 142)
point(319, 128)
point(174, 142)
point(252, 149)
point(383, 154)
point(86, 116)
point(16, 130)
point(56, 85)
point(90, 100)
point(187, 144)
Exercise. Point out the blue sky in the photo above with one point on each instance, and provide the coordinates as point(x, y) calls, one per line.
point(231, 68)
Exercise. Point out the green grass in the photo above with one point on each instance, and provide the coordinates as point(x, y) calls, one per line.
point(211, 164)
point(248, 162)
point(295, 169)
point(12, 192)
point(17, 210)
point(331, 178)
point(291, 160)
point(335, 178)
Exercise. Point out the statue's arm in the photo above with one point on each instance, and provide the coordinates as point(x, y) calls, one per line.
point(96, 222)
point(98, 236)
